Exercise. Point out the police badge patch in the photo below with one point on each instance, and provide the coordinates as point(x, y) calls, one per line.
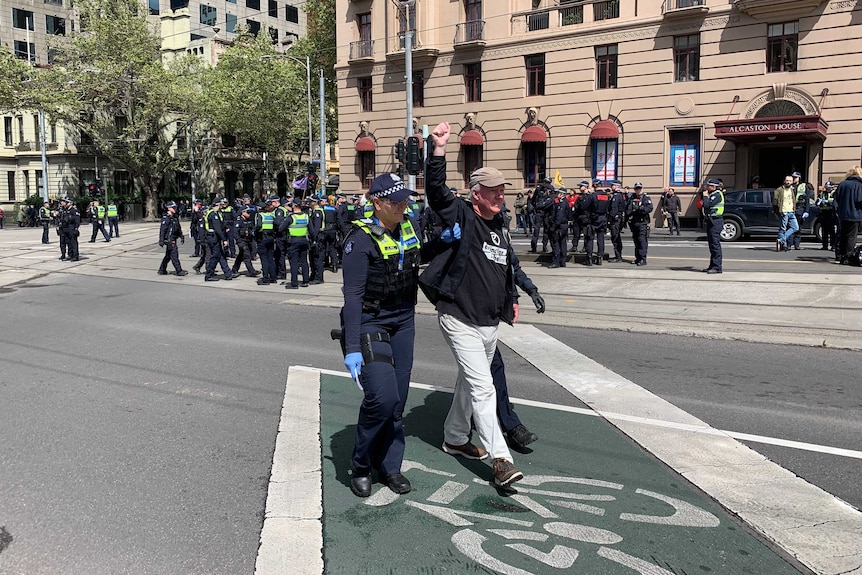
point(348, 247)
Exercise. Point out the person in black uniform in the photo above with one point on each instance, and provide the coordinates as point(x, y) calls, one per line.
point(244, 232)
point(216, 239)
point(169, 231)
point(195, 223)
point(327, 238)
point(616, 213)
point(826, 203)
point(516, 432)
point(295, 229)
point(580, 217)
point(280, 253)
point(381, 270)
point(713, 210)
point(228, 216)
point(265, 228)
point(638, 214)
point(69, 220)
point(596, 205)
point(558, 228)
point(539, 198)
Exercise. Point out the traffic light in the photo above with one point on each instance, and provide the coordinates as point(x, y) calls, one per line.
point(312, 182)
point(399, 171)
point(412, 162)
point(399, 150)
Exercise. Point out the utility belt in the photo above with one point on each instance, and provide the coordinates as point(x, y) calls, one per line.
point(365, 341)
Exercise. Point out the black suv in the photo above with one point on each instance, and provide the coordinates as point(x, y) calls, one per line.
point(749, 212)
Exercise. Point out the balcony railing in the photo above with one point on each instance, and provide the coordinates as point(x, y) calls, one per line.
point(674, 7)
point(570, 15)
point(362, 49)
point(606, 10)
point(538, 21)
point(472, 31)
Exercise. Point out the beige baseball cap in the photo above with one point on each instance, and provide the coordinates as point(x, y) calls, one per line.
point(488, 177)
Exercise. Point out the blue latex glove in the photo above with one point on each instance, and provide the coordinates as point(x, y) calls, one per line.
point(805, 216)
point(449, 235)
point(353, 362)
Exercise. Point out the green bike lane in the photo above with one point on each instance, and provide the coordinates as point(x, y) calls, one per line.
point(592, 501)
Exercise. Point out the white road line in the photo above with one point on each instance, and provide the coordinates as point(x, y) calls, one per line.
point(829, 450)
point(798, 516)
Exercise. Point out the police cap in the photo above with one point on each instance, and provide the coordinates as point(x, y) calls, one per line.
point(67, 199)
point(829, 185)
point(249, 210)
point(796, 175)
point(389, 187)
point(584, 184)
point(713, 182)
point(638, 185)
point(272, 200)
point(171, 205)
point(597, 182)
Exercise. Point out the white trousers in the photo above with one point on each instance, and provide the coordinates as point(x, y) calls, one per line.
point(473, 347)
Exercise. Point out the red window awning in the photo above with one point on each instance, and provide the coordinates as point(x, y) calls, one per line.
point(605, 130)
point(534, 134)
point(365, 144)
point(472, 138)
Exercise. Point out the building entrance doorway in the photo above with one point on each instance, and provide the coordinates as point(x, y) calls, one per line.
point(773, 163)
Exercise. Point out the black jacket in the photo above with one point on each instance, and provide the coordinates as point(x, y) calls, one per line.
point(444, 274)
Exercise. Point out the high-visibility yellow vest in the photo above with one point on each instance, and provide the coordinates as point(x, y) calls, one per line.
point(112, 211)
point(267, 220)
point(299, 226)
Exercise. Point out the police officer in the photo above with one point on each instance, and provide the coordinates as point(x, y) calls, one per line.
point(326, 235)
point(638, 214)
point(826, 203)
point(539, 198)
point(169, 231)
point(280, 254)
point(69, 220)
point(265, 228)
point(113, 220)
point(97, 218)
point(228, 216)
point(596, 205)
point(45, 220)
point(244, 233)
point(216, 239)
point(195, 225)
point(295, 229)
point(713, 210)
point(381, 270)
point(558, 228)
point(580, 217)
point(616, 213)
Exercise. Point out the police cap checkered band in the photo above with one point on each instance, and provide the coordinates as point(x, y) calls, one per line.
point(638, 185)
point(713, 183)
point(389, 187)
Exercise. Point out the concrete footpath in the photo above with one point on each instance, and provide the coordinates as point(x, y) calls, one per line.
point(814, 308)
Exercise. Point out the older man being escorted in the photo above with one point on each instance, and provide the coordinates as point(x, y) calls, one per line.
point(472, 286)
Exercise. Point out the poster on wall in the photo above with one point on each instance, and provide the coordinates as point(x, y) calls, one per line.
point(684, 166)
point(605, 152)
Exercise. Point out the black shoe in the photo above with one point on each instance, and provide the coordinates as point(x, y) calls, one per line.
point(553, 266)
point(291, 286)
point(263, 281)
point(598, 261)
point(92, 241)
point(521, 436)
point(303, 284)
point(315, 282)
point(211, 279)
point(533, 250)
point(281, 277)
point(713, 271)
point(589, 263)
point(361, 485)
point(228, 276)
point(107, 240)
point(640, 263)
point(182, 273)
point(197, 269)
point(253, 274)
point(76, 259)
point(62, 258)
point(195, 256)
point(162, 272)
point(397, 483)
point(615, 260)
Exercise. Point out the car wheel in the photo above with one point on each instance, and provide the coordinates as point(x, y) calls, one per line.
point(731, 231)
point(818, 231)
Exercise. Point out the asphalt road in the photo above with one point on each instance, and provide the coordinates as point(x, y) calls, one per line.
point(138, 417)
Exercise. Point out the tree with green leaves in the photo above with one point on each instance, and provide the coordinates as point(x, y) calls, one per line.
point(109, 82)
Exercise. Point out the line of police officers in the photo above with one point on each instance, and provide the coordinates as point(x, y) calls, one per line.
point(304, 233)
point(594, 212)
